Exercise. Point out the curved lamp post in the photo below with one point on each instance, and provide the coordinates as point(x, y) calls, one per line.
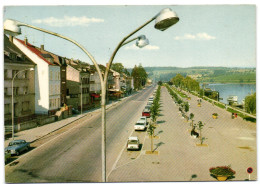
point(30, 69)
point(163, 20)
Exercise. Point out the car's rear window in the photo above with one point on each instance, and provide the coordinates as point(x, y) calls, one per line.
point(139, 123)
point(132, 141)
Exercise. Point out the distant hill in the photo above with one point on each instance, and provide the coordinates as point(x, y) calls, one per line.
point(204, 74)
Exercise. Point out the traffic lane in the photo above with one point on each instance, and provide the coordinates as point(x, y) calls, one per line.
point(35, 168)
point(127, 156)
point(118, 142)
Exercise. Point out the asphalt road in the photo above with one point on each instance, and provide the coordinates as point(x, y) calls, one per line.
point(75, 156)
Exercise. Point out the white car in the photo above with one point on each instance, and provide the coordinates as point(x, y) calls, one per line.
point(143, 118)
point(150, 99)
point(140, 125)
point(133, 143)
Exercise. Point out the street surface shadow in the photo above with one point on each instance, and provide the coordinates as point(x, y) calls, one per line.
point(160, 122)
point(158, 145)
point(14, 157)
point(159, 133)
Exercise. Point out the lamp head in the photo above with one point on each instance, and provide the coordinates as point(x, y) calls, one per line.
point(141, 41)
point(165, 19)
point(12, 27)
point(31, 69)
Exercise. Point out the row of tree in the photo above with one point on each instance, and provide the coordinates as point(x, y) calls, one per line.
point(155, 111)
point(186, 82)
point(183, 105)
point(138, 73)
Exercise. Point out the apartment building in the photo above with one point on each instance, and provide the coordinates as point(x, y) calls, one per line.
point(78, 84)
point(47, 78)
point(17, 69)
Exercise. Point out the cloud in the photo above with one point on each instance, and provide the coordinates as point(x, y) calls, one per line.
point(67, 21)
point(147, 47)
point(198, 36)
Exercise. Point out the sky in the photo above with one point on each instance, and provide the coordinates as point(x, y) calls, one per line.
point(206, 35)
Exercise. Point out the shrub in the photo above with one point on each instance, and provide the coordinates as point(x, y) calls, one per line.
point(222, 171)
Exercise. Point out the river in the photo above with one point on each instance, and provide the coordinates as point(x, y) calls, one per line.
point(239, 90)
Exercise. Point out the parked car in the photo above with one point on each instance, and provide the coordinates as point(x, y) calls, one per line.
point(149, 103)
point(75, 111)
point(133, 143)
point(143, 118)
point(150, 99)
point(146, 113)
point(148, 107)
point(17, 146)
point(7, 155)
point(140, 125)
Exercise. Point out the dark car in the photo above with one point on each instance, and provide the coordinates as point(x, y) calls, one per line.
point(75, 111)
point(17, 146)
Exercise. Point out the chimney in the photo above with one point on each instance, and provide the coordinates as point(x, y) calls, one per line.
point(25, 41)
point(11, 38)
point(42, 47)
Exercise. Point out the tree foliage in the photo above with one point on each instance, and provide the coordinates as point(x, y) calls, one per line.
point(185, 82)
point(250, 103)
point(140, 76)
point(119, 67)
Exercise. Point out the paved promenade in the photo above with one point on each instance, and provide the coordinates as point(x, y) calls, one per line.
point(229, 142)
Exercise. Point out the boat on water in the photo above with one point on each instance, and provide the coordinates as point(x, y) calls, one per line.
point(232, 99)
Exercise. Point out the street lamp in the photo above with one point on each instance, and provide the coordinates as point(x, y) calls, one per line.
point(141, 41)
point(163, 20)
point(30, 69)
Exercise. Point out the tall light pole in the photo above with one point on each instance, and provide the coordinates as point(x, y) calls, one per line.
point(163, 20)
point(30, 69)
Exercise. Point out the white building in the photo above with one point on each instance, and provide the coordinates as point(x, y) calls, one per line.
point(47, 79)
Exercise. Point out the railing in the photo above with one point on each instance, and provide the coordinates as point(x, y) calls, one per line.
point(227, 106)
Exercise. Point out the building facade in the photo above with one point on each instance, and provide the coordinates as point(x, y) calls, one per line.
point(47, 79)
point(17, 70)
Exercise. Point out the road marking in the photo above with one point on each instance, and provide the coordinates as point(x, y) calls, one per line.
point(247, 138)
point(120, 154)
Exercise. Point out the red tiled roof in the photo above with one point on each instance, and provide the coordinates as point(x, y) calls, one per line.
point(34, 50)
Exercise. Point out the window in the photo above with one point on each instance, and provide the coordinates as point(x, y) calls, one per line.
point(6, 90)
point(51, 90)
point(25, 106)
point(25, 90)
point(7, 108)
point(12, 56)
point(26, 74)
point(50, 75)
point(6, 73)
point(16, 90)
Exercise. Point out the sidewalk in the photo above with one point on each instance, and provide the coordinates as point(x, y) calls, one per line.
point(33, 134)
point(229, 141)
